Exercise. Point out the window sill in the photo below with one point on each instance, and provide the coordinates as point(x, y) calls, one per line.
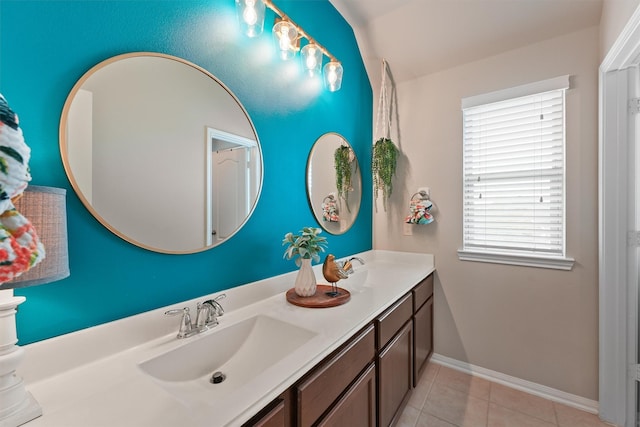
point(523, 260)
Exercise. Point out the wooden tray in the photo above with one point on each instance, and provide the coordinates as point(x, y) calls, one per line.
point(320, 299)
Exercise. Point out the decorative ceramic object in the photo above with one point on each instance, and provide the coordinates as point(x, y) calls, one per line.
point(305, 247)
point(305, 285)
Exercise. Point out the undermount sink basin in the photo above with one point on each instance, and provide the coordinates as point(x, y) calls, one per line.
point(241, 352)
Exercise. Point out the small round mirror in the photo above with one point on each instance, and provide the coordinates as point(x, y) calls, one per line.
point(334, 183)
point(161, 152)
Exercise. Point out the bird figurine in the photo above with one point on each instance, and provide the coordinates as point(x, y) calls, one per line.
point(333, 271)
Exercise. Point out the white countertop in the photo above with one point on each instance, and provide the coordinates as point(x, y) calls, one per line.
point(91, 377)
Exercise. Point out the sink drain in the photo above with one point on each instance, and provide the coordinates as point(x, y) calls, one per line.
point(217, 377)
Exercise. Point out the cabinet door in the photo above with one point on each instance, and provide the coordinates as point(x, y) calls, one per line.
point(357, 408)
point(395, 372)
point(423, 328)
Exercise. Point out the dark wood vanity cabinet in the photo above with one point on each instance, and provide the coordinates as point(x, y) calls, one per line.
point(422, 325)
point(395, 359)
point(368, 380)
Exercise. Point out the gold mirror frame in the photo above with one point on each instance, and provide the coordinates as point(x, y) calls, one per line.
point(244, 134)
point(321, 184)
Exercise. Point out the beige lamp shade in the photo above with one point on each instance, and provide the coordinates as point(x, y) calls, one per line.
point(46, 209)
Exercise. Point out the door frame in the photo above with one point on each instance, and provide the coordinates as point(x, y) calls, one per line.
point(618, 325)
point(212, 134)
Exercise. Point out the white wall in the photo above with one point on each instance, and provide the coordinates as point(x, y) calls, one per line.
point(536, 324)
point(615, 14)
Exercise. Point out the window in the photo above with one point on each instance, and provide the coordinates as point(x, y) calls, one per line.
point(514, 176)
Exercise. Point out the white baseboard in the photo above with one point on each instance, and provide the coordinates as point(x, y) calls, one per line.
point(539, 390)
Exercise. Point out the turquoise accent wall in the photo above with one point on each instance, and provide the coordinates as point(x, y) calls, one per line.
point(45, 46)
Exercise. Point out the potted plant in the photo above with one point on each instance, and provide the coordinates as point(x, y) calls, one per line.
point(343, 163)
point(304, 248)
point(383, 167)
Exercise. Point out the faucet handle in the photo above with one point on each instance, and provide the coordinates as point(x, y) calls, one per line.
point(209, 311)
point(176, 311)
point(185, 323)
point(217, 305)
point(219, 311)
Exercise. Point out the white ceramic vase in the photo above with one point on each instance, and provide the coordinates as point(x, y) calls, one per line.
point(305, 285)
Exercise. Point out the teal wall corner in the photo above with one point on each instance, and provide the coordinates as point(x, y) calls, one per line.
point(46, 46)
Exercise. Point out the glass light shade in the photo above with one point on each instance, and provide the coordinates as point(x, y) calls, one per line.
point(311, 59)
point(333, 75)
point(251, 16)
point(285, 35)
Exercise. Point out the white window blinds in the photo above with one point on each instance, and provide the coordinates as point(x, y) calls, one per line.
point(514, 186)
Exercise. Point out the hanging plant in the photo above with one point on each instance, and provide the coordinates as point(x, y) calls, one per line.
point(344, 165)
point(383, 166)
point(385, 153)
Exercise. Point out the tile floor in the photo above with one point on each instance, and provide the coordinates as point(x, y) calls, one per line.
point(448, 398)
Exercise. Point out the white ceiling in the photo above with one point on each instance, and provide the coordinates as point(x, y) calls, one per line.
point(419, 37)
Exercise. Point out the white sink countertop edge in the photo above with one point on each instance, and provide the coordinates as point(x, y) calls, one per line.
point(91, 378)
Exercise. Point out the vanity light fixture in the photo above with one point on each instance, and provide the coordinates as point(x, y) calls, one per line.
point(333, 75)
point(311, 59)
point(287, 35)
point(251, 16)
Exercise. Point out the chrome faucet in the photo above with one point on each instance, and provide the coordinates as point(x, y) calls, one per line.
point(209, 311)
point(347, 266)
point(206, 317)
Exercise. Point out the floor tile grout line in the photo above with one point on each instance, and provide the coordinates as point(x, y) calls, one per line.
point(555, 423)
point(437, 376)
point(424, 377)
point(555, 413)
point(488, 407)
point(555, 418)
point(490, 401)
point(431, 384)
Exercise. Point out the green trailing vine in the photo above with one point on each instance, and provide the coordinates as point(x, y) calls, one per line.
point(383, 166)
point(343, 163)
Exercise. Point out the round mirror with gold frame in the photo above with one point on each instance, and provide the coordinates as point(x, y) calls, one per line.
point(161, 152)
point(334, 183)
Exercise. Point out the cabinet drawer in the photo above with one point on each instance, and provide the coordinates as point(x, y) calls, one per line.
point(316, 393)
point(274, 415)
point(389, 322)
point(357, 408)
point(422, 292)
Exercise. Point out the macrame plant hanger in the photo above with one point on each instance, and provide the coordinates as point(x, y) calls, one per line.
point(384, 150)
point(383, 118)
